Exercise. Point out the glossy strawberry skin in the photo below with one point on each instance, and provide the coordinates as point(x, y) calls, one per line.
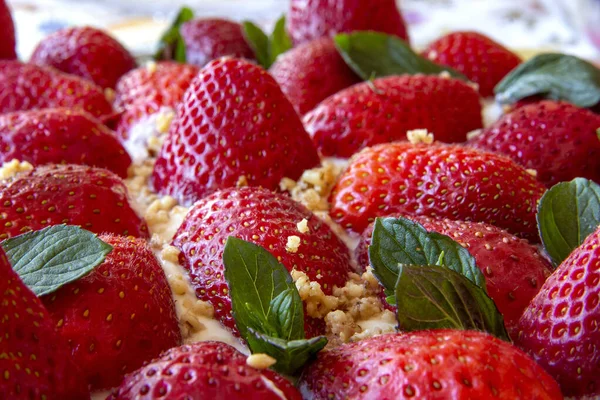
point(28, 87)
point(267, 219)
point(385, 109)
point(93, 198)
point(438, 364)
point(61, 136)
point(203, 370)
point(478, 57)
point(560, 328)
point(86, 52)
point(312, 19)
point(514, 270)
point(209, 38)
point(558, 140)
point(441, 181)
point(119, 316)
point(35, 360)
point(145, 90)
point(311, 72)
point(7, 33)
point(233, 121)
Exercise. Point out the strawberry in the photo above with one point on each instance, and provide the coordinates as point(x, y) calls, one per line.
point(385, 109)
point(514, 270)
point(478, 57)
point(7, 33)
point(558, 140)
point(203, 370)
point(145, 90)
point(312, 19)
point(264, 218)
point(442, 181)
point(35, 361)
point(209, 38)
point(119, 316)
point(60, 136)
point(312, 72)
point(233, 122)
point(86, 52)
point(93, 198)
point(27, 87)
point(437, 364)
point(560, 327)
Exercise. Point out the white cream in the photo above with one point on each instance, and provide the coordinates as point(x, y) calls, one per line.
point(491, 111)
point(145, 135)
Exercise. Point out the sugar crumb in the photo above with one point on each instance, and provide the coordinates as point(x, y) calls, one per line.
point(303, 226)
point(260, 361)
point(293, 243)
point(417, 136)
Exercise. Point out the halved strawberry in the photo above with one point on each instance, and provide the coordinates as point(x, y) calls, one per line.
point(61, 136)
point(119, 316)
point(35, 361)
point(86, 52)
point(561, 326)
point(204, 370)
point(233, 122)
point(436, 364)
point(385, 109)
point(269, 220)
point(93, 198)
point(442, 181)
point(27, 87)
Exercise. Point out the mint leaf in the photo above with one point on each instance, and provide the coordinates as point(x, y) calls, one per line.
point(171, 45)
point(374, 54)
point(553, 76)
point(267, 48)
point(401, 241)
point(567, 214)
point(436, 297)
point(266, 305)
point(52, 257)
point(290, 355)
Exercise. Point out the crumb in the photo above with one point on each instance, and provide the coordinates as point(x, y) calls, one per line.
point(260, 361)
point(163, 121)
point(110, 94)
point(443, 74)
point(14, 167)
point(242, 181)
point(151, 66)
point(318, 304)
point(302, 226)
point(531, 172)
point(293, 243)
point(417, 136)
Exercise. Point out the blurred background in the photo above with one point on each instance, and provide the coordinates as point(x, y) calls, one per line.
point(528, 26)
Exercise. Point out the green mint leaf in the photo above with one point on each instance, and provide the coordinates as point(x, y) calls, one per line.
point(279, 42)
point(374, 54)
point(171, 45)
point(263, 294)
point(258, 42)
point(553, 76)
point(567, 214)
point(290, 355)
point(52, 257)
point(401, 241)
point(436, 297)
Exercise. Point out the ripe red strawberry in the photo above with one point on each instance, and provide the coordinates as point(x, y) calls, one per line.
point(209, 38)
point(312, 72)
point(61, 136)
point(145, 90)
point(234, 121)
point(27, 87)
point(442, 181)
point(93, 198)
point(7, 33)
point(35, 361)
point(558, 140)
point(478, 57)
point(86, 52)
point(312, 19)
point(204, 370)
point(514, 270)
point(119, 316)
point(264, 218)
point(385, 109)
point(560, 328)
point(438, 364)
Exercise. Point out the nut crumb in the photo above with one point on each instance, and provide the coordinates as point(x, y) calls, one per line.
point(163, 121)
point(417, 136)
point(242, 181)
point(474, 133)
point(302, 226)
point(531, 172)
point(151, 66)
point(14, 167)
point(260, 361)
point(293, 242)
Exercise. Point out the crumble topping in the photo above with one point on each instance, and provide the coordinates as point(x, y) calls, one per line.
point(293, 243)
point(303, 226)
point(260, 361)
point(417, 136)
point(14, 167)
